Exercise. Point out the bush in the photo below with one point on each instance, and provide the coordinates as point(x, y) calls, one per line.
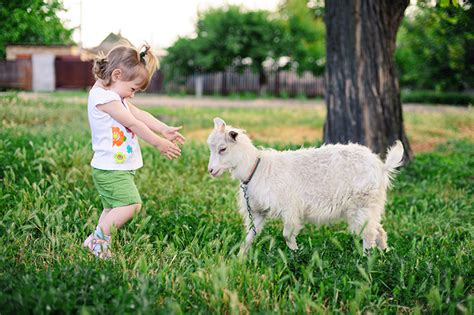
point(431, 97)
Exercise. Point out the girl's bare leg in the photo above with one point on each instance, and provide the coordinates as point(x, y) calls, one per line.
point(118, 217)
point(104, 214)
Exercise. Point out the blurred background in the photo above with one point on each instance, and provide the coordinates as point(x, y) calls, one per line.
point(242, 48)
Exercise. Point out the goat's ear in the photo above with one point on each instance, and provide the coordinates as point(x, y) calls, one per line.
point(233, 135)
point(219, 124)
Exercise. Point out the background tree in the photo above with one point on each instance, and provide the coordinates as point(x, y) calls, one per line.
point(306, 35)
point(32, 22)
point(230, 37)
point(218, 38)
point(362, 92)
point(182, 59)
point(435, 47)
point(262, 38)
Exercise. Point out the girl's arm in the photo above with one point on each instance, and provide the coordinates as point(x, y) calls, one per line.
point(148, 119)
point(170, 133)
point(123, 116)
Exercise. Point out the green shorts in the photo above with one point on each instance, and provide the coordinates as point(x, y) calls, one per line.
point(116, 188)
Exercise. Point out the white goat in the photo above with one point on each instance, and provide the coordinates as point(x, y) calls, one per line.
point(330, 183)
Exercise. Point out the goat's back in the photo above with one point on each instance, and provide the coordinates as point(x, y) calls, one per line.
point(329, 169)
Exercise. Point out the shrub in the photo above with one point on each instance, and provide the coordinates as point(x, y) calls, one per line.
point(432, 97)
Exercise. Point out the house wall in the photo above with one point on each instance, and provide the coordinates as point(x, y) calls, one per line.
point(44, 79)
point(26, 51)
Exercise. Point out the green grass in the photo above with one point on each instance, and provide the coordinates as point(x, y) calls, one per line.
point(407, 96)
point(180, 256)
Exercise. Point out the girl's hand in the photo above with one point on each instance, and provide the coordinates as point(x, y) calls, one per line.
point(172, 134)
point(169, 149)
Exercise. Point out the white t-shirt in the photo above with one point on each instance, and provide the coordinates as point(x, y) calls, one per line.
point(115, 146)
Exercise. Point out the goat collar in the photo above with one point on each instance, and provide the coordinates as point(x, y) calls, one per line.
point(251, 173)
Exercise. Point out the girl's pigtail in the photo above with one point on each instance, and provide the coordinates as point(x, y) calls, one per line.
point(100, 66)
point(148, 58)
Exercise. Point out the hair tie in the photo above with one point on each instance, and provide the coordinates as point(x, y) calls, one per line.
point(143, 54)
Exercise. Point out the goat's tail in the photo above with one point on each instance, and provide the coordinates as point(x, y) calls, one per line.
point(393, 161)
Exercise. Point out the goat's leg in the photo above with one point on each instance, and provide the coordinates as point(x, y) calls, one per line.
point(381, 239)
point(258, 221)
point(368, 238)
point(366, 221)
point(290, 232)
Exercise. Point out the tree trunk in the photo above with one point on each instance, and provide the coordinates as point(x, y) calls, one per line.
point(362, 91)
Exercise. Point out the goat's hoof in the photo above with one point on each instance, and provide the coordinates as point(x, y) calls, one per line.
point(243, 251)
point(368, 251)
point(293, 247)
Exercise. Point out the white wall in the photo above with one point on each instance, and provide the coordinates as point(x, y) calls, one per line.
point(44, 79)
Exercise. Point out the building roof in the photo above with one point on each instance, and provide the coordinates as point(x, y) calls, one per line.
point(105, 46)
point(110, 42)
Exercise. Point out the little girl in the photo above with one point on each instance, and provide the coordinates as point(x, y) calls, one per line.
point(116, 125)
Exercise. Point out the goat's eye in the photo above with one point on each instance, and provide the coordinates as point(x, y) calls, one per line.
point(222, 150)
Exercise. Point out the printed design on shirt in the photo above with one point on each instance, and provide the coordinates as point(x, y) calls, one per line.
point(118, 137)
point(129, 131)
point(129, 149)
point(120, 157)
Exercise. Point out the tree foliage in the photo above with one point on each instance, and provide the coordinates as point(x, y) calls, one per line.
point(32, 22)
point(182, 59)
point(228, 37)
point(436, 47)
point(306, 34)
point(219, 37)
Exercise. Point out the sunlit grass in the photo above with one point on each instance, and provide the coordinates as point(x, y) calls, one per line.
point(180, 254)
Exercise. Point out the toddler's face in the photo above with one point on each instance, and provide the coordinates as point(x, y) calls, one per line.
point(127, 89)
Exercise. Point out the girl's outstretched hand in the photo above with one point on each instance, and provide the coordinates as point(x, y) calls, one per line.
point(173, 135)
point(169, 149)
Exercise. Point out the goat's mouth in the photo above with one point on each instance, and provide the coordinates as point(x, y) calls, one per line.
point(217, 172)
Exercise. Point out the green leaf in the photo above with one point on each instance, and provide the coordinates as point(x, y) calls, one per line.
point(444, 3)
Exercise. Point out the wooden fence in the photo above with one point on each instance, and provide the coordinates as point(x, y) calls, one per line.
point(15, 74)
point(71, 73)
point(278, 83)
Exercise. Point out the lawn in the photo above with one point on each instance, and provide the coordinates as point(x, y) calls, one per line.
point(179, 256)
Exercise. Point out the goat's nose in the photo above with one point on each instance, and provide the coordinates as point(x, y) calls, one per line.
point(210, 170)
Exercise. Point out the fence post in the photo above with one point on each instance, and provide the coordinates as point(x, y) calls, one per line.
point(198, 85)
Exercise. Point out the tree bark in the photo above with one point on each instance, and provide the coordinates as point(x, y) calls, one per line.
point(362, 91)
